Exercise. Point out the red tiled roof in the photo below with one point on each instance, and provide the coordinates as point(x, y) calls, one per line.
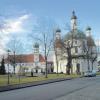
point(28, 58)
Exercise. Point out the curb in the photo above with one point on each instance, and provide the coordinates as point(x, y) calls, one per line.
point(25, 85)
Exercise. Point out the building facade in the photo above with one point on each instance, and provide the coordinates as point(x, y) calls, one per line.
point(81, 46)
point(28, 62)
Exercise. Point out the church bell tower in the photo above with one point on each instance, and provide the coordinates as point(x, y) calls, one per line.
point(36, 53)
point(88, 31)
point(73, 21)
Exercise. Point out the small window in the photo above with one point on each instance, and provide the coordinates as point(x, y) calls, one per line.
point(76, 50)
point(76, 42)
point(36, 70)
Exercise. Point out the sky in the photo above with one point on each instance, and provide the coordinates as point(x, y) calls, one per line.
point(19, 17)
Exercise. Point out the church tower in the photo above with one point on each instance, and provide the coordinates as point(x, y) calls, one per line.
point(57, 49)
point(58, 39)
point(36, 53)
point(88, 31)
point(73, 21)
point(58, 36)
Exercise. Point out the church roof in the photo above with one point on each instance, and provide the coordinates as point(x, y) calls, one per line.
point(24, 58)
point(36, 45)
point(76, 34)
point(90, 41)
point(88, 28)
point(58, 30)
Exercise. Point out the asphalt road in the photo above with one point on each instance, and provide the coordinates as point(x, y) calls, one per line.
point(76, 89)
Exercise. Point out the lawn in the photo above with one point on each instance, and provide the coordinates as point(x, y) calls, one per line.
point(25, 79)
point(98, 73)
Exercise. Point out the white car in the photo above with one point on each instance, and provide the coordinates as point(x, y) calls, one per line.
point(90, 73)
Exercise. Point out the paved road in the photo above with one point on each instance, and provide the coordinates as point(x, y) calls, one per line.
point(76, 89)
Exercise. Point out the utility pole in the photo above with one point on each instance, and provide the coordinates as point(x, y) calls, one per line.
point(14, 62)
point(8, 65)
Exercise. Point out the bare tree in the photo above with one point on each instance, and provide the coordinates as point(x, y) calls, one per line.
point(43, 33)
point(93, 58)
point(93, 52)
point(58, 48)
point(68, 45)
point(90, 51)
point(16, 47)
point(56, 55)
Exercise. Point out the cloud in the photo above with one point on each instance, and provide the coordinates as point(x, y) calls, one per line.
point(21, 27)
point(24, 17)
point(9, 27)
point(15, 25)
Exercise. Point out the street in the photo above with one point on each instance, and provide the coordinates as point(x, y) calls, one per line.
point(87, 88)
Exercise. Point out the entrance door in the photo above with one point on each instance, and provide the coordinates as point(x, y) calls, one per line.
point(78, 68)
point(36, 69)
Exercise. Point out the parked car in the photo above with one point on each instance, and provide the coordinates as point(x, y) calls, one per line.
point(90, 73)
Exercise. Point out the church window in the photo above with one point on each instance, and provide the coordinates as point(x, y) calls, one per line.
point(76, 50)
point(36, 70)
point(76, 42)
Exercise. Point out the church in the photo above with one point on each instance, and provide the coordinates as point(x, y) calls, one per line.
point(29, 63)
point(83, 52)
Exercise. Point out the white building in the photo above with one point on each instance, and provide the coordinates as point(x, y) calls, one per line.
point(29, 62)
point(83, 49)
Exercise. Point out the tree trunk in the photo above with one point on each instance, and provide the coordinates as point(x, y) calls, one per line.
point(14, 62)
point(56, 61)
point(14, 69)
point(46, 69)
point(69, 63)
point(88, 64)
point(92, 65)
point(46, 62)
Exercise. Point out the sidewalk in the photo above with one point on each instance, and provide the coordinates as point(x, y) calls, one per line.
point(24, 85)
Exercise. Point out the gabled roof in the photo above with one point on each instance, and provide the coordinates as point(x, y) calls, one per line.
point(58, 30)
point(24, 58)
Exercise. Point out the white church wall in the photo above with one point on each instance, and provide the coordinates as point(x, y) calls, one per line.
point(10, 68)
point(79, 47)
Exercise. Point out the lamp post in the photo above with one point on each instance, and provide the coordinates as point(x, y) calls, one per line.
point(8, 64)
point(14, 62)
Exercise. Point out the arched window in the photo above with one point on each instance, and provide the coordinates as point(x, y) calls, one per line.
point(76, 50)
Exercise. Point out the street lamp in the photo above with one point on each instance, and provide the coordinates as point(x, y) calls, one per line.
point(8, 64)
point(14, 62)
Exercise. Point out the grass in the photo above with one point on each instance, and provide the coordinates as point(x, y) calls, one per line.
point(98, 73)
point(25, 79)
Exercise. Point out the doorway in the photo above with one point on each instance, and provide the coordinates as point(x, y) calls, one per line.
point(78, 68)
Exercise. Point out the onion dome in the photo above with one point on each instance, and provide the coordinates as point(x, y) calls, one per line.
point(36, 45)
point(58, 30)
point(73, 15)
point(88, 28)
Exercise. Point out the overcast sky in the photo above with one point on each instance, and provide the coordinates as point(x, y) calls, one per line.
point(19, 16)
